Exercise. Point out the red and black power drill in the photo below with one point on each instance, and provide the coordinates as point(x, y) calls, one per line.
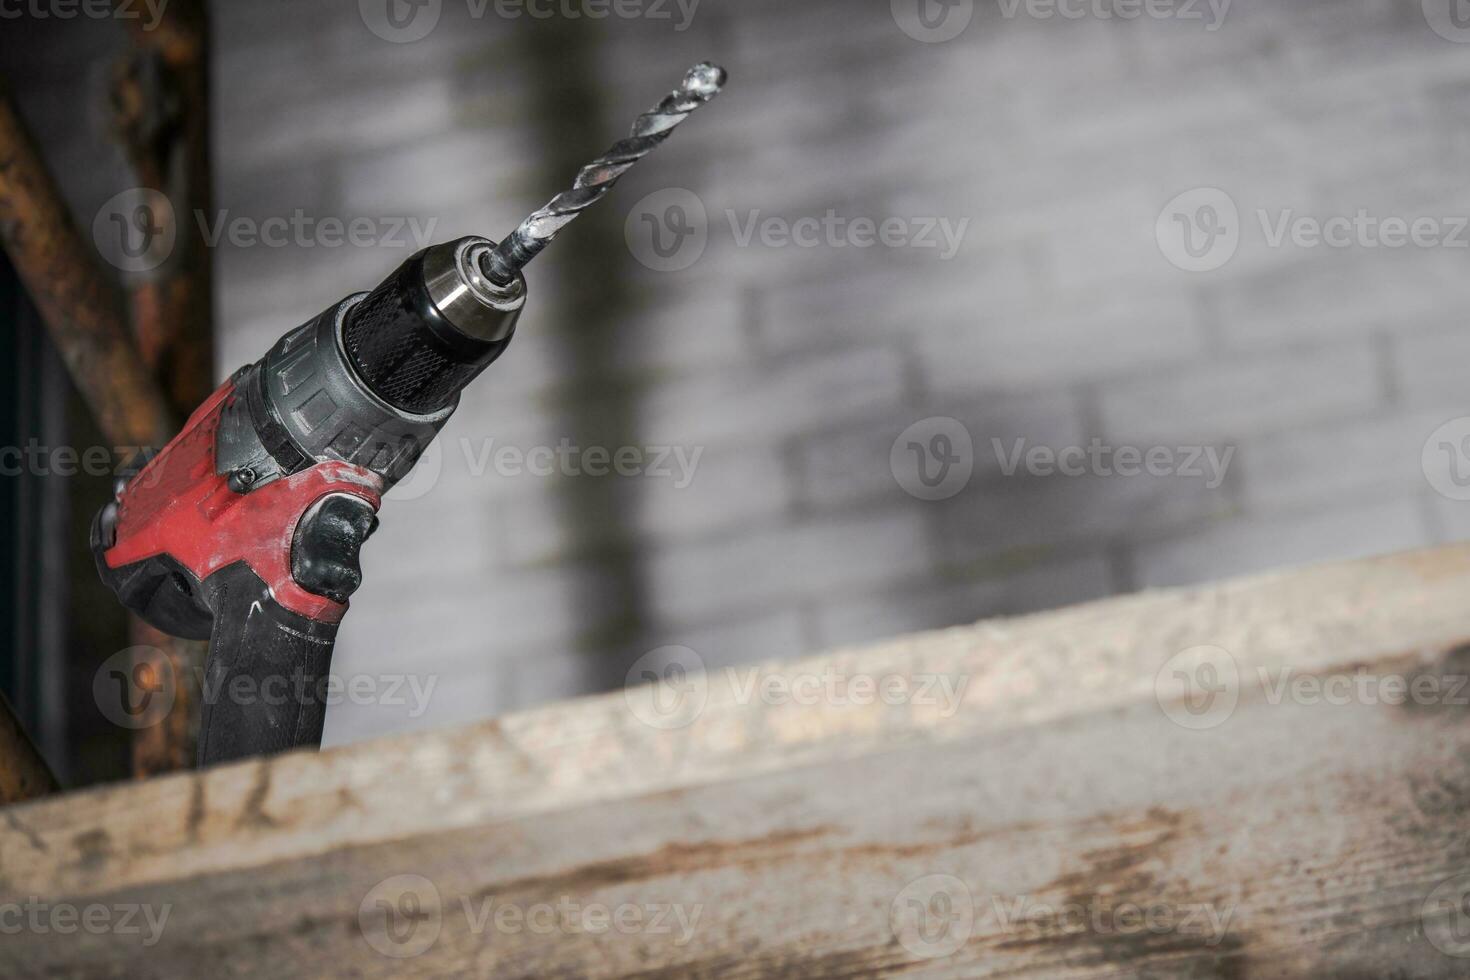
point(246, 528)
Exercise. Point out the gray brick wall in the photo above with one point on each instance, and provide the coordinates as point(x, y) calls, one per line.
point(792, 370)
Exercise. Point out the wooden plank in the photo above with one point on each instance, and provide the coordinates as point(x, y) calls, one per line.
point(1056, 820)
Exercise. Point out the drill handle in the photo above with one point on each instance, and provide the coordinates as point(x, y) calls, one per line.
point(264, 685)
point(268, 677)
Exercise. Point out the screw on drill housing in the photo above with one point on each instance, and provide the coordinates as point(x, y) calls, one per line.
point(702, 83)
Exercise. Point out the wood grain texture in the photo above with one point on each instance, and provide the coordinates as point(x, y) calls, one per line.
point(1056, 823)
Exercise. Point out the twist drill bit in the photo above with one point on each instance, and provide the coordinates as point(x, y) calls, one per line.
point(702, 83)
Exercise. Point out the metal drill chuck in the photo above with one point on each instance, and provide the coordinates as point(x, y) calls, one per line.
point(431, 327)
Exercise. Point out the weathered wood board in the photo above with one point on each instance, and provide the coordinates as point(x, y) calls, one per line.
point(1067, 807)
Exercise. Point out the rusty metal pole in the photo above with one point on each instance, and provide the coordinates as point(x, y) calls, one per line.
point(161, 104)
point(23, 773)
point(82, 312)
point(160, 99)
point(76, 300)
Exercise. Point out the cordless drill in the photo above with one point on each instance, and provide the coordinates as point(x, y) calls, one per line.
point(246, 528)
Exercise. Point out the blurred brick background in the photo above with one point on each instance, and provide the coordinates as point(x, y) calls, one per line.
point(793, 370)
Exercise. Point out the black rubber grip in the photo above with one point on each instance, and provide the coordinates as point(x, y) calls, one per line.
point(404, 349)
point(265, 683)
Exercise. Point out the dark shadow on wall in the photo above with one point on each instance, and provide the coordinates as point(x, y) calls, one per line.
point(589, 276)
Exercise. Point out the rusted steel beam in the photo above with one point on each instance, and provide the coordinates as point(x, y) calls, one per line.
point(161, 104)
point(160, 100)
point(83, 313)
point(78, 304)
point(23, 773)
